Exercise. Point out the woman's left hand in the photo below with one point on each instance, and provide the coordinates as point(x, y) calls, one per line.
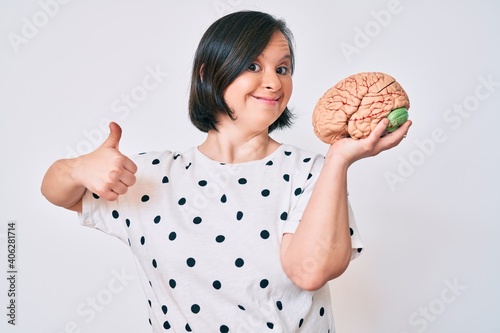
point(352, 150)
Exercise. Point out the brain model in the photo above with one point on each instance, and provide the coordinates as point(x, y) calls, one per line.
point(356, 104)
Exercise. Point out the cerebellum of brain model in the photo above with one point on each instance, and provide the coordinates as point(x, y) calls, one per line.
point(356, 104)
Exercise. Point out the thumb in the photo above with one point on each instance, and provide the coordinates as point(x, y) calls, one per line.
point(115, 134)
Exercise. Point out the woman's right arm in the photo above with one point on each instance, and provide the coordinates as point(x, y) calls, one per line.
point(105, 172)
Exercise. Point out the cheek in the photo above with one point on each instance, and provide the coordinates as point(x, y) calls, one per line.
point(231, 96)
point(238, 89)
point(287, 89)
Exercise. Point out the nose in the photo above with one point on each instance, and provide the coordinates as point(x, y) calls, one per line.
point(271, 80)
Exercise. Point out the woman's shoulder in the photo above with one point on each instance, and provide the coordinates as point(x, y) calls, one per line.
point(299, 152)
point(157, 156)
point(159, 159)
point(299, 158)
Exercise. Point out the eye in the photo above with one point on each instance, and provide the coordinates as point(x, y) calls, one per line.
point(283, 70)
point(254, 67)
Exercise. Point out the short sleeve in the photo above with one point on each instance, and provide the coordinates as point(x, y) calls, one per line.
point(303, 181)
point(357, 244)
point(311, 175)
point(103, 215)
point(114, 217)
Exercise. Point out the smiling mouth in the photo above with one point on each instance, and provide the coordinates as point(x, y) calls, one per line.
point(267, 99)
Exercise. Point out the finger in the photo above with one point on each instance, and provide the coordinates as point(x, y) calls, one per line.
point(120, 188)
point(108, 196)
point(379, 130)
point(398, 135)
point(129, 165)
point(128, 178)
point(402, 130)
point(115, 134)
point(406, 126)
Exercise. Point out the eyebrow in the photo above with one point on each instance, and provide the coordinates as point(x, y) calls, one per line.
point(287, 56)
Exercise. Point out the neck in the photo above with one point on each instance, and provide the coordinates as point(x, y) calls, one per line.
point(233, 147)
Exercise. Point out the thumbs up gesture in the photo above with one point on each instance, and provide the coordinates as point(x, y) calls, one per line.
point(106, 171)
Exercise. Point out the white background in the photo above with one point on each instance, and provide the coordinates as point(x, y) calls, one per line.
point(428, 210)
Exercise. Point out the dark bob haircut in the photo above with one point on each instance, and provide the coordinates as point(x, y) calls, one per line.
point(227, 49)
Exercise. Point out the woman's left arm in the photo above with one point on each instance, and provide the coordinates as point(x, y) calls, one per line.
point(320, 249)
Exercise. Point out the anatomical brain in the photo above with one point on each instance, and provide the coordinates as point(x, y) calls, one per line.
point(356, 104)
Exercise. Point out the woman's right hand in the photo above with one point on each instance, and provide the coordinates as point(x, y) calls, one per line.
point(106, 171)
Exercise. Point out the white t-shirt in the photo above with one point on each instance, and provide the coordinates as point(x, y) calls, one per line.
point(206, 239)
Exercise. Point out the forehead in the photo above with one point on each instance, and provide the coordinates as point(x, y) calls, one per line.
point(278, 47)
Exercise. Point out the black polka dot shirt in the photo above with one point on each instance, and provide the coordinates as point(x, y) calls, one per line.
point(206, 236)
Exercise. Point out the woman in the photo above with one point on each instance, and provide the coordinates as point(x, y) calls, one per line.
point(242, 233)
